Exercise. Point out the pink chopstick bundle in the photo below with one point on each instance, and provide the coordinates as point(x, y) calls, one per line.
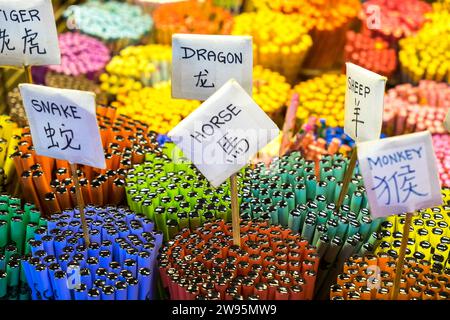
point(411, 108)
point(81, 55)
point(441, 144)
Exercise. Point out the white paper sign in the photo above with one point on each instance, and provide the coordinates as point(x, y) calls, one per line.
point(63, 124)
point(447, 121)
point(201, 64)
point(364, 99)
point(400, 174)
point(28, 33)
point(222, 134)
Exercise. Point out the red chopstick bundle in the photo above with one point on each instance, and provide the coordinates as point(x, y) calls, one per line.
point(372, 53)
point(271, 264)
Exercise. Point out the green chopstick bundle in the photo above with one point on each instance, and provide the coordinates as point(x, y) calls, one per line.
point(172, 192)
point(17, 226)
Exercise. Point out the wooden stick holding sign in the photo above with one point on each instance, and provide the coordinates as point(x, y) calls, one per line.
point(347, 177)
point(201, 64)
point(289, 125)
point(447, 121)
point(63, 125)
point(80, 203)
point(28, 75)
point(219, 149)
point(29, 34)
point(363, 113)
point(400, 175)
point(401, 256)
point(235, 216)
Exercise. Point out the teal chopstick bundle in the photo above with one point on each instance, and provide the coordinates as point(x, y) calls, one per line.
point(17, 226)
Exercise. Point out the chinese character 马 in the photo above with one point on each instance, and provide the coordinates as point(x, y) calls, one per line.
point(398, 187)
point(202, 80)
point(5, 40)
point(233, 146)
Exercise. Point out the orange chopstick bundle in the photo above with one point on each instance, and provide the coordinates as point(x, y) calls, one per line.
point(314, 143)
point(372, 53)
point(48, 183)
point(190, 17)
point(315, 140)
point(271, 264)
point(372, 278)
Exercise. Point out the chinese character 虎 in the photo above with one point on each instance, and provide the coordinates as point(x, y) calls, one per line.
point(29, 38)
point(4, 39)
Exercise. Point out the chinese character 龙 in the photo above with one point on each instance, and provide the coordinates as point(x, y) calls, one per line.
point(202, 80)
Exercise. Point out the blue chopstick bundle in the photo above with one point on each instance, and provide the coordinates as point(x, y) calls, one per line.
point(119, 263)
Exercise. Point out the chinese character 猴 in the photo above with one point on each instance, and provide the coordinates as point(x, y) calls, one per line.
point(399, 186)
